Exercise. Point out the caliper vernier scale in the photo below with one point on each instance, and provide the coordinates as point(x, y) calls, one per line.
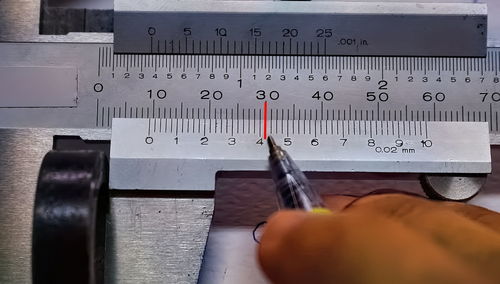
point(183, 154)
point(287, 28)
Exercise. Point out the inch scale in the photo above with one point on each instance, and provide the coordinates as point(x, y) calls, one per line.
point(286, 28)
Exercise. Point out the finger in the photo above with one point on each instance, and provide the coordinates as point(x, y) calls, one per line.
point(284, 221)
point(354, 248)
point(472, 241)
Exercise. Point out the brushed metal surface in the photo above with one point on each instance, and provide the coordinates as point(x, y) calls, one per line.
point(19, 169)
point(156, 240)
point(149, 240)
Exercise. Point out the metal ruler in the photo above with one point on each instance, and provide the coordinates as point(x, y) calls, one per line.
point(286, 28)
point(186, 153)
point(237, 87)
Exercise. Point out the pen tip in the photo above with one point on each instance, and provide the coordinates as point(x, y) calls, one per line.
point(271, 143)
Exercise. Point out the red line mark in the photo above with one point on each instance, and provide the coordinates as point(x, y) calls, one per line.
point(265, 120)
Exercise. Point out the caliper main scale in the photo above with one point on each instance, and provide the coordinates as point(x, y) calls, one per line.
point(247, 90)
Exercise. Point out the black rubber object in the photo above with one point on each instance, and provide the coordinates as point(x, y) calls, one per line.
point(69, 218)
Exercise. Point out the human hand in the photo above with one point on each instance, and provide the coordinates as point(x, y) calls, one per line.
point(383, 238)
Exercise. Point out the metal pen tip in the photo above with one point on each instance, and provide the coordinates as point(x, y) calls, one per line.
point(271, 143)
point(275, 150)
